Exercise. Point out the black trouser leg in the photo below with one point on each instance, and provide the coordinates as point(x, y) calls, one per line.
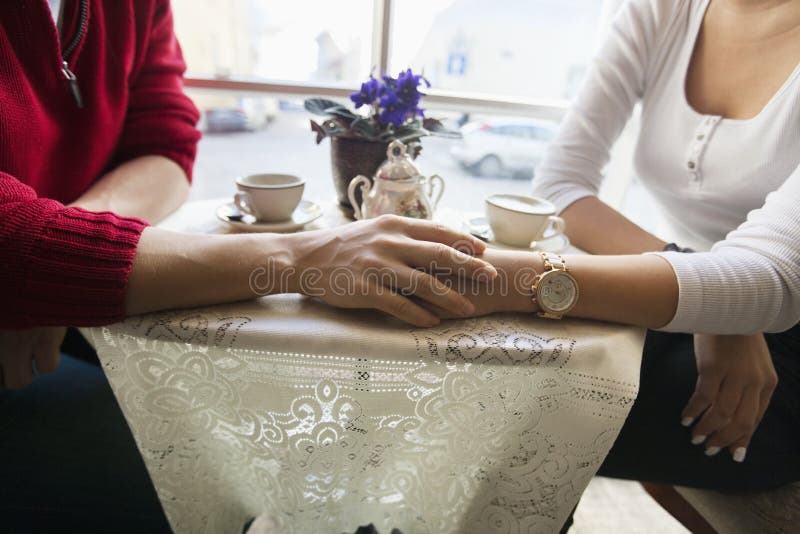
point(68, 462)
point(654, 447)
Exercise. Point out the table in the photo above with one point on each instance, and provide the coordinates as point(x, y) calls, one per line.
point(320, 420)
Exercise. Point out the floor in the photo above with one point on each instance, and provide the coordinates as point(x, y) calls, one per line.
point(621, 507)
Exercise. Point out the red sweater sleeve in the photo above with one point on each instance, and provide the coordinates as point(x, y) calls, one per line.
point(160, 119)
point(61, 266)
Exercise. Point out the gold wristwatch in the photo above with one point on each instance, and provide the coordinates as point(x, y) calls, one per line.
point(555, 291)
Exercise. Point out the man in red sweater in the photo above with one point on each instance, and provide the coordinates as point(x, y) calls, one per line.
point(92, 115)
point(96, 138)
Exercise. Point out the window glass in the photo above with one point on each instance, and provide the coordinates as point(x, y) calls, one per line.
point(515, 48)
point(243, 134)
point(301, 40)
point(275, 137)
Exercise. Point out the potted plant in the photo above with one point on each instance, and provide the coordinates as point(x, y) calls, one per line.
point(387, 109)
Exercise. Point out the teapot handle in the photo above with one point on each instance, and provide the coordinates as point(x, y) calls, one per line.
point(440, 181)
point(365, 184)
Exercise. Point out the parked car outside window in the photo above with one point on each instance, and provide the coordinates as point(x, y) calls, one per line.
point(226, 120)
point(505, 147)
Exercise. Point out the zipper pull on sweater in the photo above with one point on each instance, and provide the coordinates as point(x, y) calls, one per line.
point(73, 84)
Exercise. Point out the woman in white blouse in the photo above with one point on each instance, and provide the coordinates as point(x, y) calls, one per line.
point(719, 149)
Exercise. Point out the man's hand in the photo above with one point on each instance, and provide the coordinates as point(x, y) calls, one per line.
point(19, 349)
point(735, 384)
point(510, 291)
point(380, 263)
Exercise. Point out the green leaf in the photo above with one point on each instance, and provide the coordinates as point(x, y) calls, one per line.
point(412, 137)
point(319, 106)
point(436, 128)
point(364, 128)
point(409, 132)
point(408, 129)
point(341, 112)
point(327, 129)
point(319, 130)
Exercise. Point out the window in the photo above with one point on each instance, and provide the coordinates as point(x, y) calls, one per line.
point(518, 48)
point(301, 41)
point(502, 71)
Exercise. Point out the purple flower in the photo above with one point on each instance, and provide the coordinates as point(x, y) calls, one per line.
point(408, 87)
point(393, 110)
point(389, 82)
point(367, 94)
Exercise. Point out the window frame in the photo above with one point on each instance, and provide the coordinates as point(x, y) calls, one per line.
point(550, 109)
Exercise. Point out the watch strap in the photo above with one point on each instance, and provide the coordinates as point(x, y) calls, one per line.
point(552, 262)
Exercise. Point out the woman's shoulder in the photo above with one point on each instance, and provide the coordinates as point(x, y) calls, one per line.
point(652, 30)
point(657, 16)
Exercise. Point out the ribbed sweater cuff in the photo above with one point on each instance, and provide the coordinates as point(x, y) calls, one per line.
point(690, 293)
point(78, 268)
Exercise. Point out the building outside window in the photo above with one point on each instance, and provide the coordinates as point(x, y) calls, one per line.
point(502, 71)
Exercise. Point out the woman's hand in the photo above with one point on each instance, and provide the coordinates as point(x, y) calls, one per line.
point(509, 291)
point(380, 263)
point(735, 384)
point(20, 348)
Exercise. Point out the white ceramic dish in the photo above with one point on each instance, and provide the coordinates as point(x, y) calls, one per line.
point(305, 213)
point(479, 227)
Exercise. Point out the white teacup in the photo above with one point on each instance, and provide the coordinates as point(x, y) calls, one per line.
point(269, 197)
point(519, 220)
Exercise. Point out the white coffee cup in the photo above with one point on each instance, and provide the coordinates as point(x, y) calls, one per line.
point(519, 220)
point(269, 197)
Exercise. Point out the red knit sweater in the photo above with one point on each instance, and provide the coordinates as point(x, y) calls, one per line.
point(67, 266)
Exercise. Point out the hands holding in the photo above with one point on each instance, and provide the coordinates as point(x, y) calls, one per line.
point(509, 291)
point(380, 263)
point(19, 349)
point(735, 383)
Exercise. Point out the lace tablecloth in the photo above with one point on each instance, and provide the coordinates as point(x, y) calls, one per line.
point(323, 419)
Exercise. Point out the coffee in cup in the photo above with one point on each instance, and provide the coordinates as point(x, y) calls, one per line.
point(269, 197)
point(519, 220)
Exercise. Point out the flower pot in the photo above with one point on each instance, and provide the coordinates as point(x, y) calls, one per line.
point(349, 158)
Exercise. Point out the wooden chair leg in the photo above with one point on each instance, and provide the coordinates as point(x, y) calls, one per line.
point(678, 507)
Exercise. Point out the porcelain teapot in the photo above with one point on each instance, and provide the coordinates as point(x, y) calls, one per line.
point(398, 188)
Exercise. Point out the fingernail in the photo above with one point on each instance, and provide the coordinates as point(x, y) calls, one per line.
point(711, 451)
point(739, 454)
point(697, 440)
point(687, 421)
point(468, 308)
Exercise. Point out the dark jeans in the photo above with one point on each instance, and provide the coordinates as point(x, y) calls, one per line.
point(68, 462)
point(654, 447)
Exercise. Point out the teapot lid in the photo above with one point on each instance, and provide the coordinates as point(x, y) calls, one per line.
point(398, 165)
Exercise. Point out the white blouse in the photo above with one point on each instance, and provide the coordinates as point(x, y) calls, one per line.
point(730, 187)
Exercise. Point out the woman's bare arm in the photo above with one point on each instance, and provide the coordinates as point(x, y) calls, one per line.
point(638, 290)
point(619, 234)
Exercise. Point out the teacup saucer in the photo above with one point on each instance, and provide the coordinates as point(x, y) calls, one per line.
point(479, 227)
point(305, 213)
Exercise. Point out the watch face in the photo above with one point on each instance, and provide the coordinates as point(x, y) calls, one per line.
point(557, 292)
